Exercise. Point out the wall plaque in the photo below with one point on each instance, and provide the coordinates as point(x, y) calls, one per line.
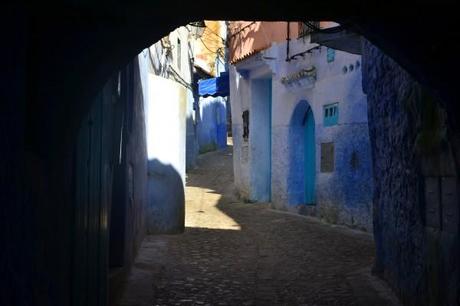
point(327, 157)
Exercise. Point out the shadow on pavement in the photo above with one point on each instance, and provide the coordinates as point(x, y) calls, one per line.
point(260, 257)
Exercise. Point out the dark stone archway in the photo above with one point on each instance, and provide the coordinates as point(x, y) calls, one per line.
point(73, 49)
point(57, 56)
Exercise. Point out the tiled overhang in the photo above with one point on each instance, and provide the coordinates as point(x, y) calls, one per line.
point(249, 54)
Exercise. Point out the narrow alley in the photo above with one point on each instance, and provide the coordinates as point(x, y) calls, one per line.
point(240, 153)
point(235, 253)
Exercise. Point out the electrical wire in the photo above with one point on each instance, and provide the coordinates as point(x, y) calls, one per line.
point(210, 30)
point(211, 43)
point(169, 68)
point(215, 52)
point(208, 47)
point(181, 80)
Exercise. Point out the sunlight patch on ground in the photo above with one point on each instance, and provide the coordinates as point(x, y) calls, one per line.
point(201, 210)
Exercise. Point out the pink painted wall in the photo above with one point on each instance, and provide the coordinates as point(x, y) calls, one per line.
point(246, 37)
point(327, 24)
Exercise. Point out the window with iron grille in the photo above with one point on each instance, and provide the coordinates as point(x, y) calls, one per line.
point(307, 27)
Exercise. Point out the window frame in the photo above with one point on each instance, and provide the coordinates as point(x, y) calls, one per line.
point(330, 55)
point(331, 114)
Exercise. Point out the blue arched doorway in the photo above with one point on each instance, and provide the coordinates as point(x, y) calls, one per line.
point(302, 156)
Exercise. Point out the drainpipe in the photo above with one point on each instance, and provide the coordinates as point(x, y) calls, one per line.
point(288, 38)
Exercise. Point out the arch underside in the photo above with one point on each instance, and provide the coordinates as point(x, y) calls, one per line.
point(75, 48)
point(58, 56)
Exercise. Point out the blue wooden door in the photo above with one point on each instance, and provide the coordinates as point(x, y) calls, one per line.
point(310, 158)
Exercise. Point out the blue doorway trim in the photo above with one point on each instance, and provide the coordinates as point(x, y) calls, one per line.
point(309, 158)
point(301, 180)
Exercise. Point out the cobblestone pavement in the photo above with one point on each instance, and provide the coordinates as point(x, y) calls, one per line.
point(247, 254)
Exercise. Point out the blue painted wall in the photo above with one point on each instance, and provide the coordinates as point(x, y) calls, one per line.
point(191, 145)
point(296, 179)
point(260, 140)
point(239, 99)
point(212, 124)
point(417, 251)
point(343, 196)
point(166, 197)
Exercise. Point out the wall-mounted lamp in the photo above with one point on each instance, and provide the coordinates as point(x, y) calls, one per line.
point(198, 28)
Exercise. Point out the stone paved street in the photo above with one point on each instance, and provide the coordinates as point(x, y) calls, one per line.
point(248, 254)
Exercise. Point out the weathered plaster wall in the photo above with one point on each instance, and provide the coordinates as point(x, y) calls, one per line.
point(416, 228)
point(252, 162)
point(239, 99)
point(343, 196)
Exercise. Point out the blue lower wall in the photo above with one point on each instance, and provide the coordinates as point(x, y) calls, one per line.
point(260, 140)
point(419, 259)
point(296, 140)
point(345, 195)
point(191, 144)
point(211, 125)
point(166, 198)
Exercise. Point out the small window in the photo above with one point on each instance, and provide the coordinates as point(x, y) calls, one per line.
point(330, 55)
point(331, 114)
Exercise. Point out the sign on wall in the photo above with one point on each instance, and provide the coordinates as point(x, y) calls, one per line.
point(327, 157)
